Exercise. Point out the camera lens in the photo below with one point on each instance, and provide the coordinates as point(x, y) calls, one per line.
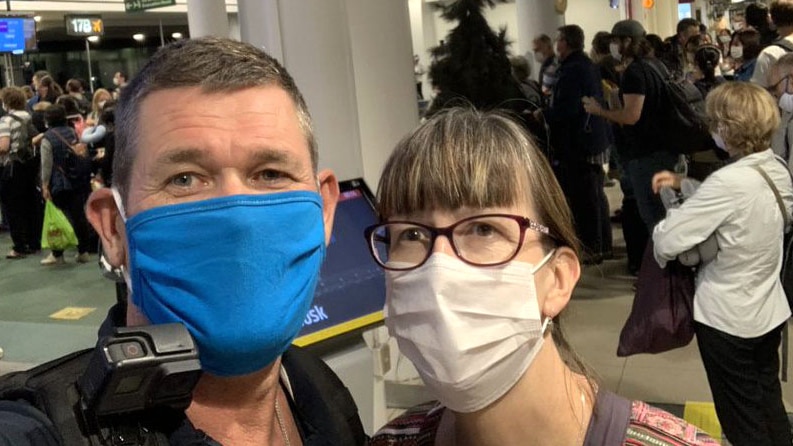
point(125, 351)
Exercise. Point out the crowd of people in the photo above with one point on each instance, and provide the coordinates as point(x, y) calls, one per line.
point(55, 144)
point(481, 258)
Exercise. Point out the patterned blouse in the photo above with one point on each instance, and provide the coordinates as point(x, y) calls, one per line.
point(645, 426)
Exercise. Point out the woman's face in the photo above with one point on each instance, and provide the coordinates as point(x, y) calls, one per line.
point(102, 98)
point(484, 232)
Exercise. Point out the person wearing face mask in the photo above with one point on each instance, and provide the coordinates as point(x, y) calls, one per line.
point(781, 12)
point(676, 58)
point(744, 50)
point(218, 222)
point(781, 88)
point(101, 96)
point(740, 307)
point(544, 54)
point(119, 81)
point(645, 105)
point(481, 259)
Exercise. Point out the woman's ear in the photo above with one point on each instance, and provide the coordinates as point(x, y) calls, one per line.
point(565, 270)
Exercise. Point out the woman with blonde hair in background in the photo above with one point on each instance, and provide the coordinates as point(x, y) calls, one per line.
point(101, 96)
point(740, 307)
point(481, 260)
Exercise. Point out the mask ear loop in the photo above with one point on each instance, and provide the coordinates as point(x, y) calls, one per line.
point(120, 206)
point(543, 261)
point(119, 203)
point(548, 320)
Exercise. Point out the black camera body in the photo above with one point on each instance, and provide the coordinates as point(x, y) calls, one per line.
point(140, 368)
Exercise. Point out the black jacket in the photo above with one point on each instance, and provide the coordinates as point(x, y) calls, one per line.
point(36, 406)
point(576, 135)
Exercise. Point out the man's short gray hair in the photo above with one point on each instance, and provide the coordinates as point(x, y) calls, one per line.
point(216, 65)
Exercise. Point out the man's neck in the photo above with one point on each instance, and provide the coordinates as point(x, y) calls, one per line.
point(239, 410)
point(785, 32)
point(543, 408)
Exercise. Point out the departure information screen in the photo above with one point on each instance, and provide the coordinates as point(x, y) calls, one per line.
point(351, 290)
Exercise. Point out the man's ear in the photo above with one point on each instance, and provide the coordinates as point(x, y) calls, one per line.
point(566, 269)
point(329, 190)
point(103, 215)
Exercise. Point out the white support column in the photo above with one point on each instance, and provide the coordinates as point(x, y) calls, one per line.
point(207, 18)
point(352, 60)
point(535, 17)
point(259, 25)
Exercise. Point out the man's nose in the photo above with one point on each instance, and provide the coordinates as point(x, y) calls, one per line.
point(233, 183)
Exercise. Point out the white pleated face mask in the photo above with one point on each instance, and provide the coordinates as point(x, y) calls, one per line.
point(471, 332)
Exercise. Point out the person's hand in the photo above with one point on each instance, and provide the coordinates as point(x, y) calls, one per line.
point(591, 105)
point(665, 178)
point(45, 192)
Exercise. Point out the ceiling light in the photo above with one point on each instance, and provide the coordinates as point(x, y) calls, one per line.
point(176, 35)
point(139, 37)
point(93, 39)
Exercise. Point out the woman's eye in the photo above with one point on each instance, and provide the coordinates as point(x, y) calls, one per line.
point(483, 230)
point(411, 235)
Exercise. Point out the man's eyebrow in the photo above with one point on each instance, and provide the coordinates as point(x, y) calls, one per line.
point(265, 155)
point(185, 155)
point(271, 155)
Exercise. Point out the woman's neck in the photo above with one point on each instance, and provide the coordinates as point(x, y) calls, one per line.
point(549, 405)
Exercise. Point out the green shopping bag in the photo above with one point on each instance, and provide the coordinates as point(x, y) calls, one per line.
point(57, 233)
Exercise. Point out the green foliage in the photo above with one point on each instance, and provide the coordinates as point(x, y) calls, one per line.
point(472, 66)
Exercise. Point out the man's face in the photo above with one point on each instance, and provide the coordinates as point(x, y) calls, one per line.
point(561, 46)
point(688, 33)
point(194, 146)
point(542, 48)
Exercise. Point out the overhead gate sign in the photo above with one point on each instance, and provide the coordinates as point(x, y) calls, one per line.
point(142, 5)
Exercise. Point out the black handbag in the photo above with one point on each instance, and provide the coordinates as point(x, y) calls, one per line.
point(662, 315)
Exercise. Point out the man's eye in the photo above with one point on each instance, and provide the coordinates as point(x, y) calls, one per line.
point(271, 175)
point(182, 180)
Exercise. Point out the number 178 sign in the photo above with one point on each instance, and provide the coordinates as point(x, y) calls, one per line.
point(84, 25)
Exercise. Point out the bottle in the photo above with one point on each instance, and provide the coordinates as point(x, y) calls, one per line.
point(681, 166)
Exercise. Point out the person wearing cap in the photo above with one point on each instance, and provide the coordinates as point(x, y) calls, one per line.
point(644, 107)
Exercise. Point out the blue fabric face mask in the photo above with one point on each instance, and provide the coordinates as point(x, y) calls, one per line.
point(239, 272)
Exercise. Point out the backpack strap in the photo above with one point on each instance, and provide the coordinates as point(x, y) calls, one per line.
point(324, 409)
point(69, 145)
point(785, 44)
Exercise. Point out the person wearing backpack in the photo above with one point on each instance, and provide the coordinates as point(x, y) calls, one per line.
point(18, 179)
point(645, 108)
point(782, 16)
point(65, 179)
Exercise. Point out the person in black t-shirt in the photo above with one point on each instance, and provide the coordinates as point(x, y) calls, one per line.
point(641, 89)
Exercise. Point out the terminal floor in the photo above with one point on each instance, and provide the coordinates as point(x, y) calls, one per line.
point(30, 293)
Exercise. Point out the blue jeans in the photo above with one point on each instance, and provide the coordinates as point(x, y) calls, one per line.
point(640, 172)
